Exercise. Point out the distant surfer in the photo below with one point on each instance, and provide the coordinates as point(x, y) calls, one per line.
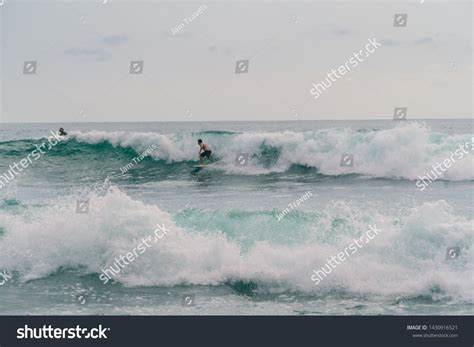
point(62, 132)
point(204, 151)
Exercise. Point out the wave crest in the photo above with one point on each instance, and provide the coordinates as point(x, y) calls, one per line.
point(406, 151)
point(408, 258)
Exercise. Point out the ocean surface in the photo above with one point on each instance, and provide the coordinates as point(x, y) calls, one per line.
point(243, 235)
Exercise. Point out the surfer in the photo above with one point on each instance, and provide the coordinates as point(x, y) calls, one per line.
point(204, 151)
point(62, 132)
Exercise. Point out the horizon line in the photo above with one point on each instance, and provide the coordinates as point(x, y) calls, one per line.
point(228, 121)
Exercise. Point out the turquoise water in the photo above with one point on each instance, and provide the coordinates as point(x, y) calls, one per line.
point(227, 248)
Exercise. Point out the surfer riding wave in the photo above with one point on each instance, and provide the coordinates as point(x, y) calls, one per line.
point(204, 151)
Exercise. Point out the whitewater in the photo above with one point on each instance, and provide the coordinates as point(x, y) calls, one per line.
point(400, 152)
point(228, 248)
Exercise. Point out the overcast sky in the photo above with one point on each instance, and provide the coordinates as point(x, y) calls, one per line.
point(83, 51)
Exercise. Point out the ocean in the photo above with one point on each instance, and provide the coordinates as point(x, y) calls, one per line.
point(246, 235)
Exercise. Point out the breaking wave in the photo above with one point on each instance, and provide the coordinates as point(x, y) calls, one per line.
point(403, 152)
point(408, 258)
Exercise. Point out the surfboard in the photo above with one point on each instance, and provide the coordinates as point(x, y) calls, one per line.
point(200, 166)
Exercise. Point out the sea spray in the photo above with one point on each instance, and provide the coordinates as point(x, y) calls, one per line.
point(110, 271)
point(412, 250)
point(379, 152)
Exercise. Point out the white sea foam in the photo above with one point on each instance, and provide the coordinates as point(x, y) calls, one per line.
point(408, 259)
point(406, 151)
